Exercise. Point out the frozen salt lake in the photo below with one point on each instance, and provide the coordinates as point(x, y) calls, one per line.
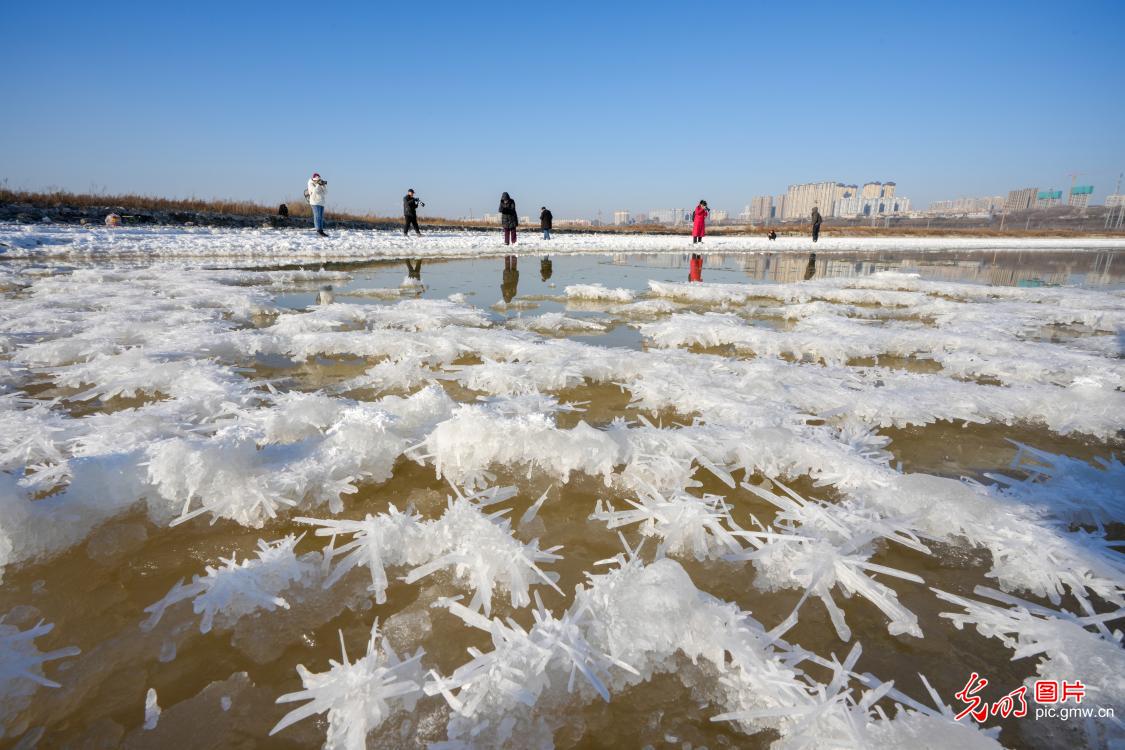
point(574, 504)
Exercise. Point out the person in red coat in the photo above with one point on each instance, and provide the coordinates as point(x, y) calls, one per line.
point(698, 227)
point(695, 268)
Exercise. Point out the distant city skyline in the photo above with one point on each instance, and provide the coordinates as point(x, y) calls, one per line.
point(143, 100)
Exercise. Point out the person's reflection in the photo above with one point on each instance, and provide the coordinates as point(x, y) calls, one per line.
point(413, 281)
point(510, 278)
point(545, 268)
point(695, 268)
point(810, 269)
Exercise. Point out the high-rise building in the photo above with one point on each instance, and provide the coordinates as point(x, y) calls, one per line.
point(800, 199)
point(778, 212)
point(1048, 198)
point(872, 190)
point(1021, 200)
point(718, 215)
point(671, 216)
point(843, 192)
point(620, 218)
point(1080, 196)
point(888, 190)
point(858, 206)
point(964, 206)
point(1115, 200)
point(759, 208)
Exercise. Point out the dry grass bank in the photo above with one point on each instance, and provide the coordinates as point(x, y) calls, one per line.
point(299, 208)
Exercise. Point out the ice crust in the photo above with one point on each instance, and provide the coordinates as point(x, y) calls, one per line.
point(187, 434)
point(599, 292)
point(268, 245)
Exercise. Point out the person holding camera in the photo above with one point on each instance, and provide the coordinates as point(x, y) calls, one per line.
point(410, 212)
point(315, 194)
point(699, 222)
point(509, 219)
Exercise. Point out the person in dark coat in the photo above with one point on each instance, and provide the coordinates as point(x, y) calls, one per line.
point(546, 268)
point(815, 223)
point(410, 212)
point(283, 211)
point(546, 218)
point(510, 279)
point(508, 218)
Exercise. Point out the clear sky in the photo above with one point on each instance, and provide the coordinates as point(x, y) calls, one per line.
point(579, 106)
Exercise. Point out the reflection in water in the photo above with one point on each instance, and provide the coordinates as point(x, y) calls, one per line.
point(413, 281)
point(810, 269)
point(510, 279)
point(1003, 268)
point(634, 271)
point(545, 268)
point(695, 267)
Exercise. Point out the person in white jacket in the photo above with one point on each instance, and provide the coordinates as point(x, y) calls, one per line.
point(315, 193)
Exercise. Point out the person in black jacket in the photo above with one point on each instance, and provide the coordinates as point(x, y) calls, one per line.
point(546, 218)
point(410, 212)
point(815, 223)
point(508, 218)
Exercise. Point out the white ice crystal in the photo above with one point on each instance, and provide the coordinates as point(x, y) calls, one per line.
point(357, 695)
point(687, 525)
point(823, 545)
point(1073, 490)
point(235, 589)
point(525, 668)
point(21, 667)
point(1069, 646)
point(598, 292)
point(391, 539)
point(556, 323)
point(253, 475)
point(475, 544)
point(476, 437)
point(152, 710)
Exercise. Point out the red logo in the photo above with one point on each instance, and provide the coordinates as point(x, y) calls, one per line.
point(1015, 702)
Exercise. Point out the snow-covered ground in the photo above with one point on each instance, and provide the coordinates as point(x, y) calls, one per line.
point(577, 551)
point(279, 245)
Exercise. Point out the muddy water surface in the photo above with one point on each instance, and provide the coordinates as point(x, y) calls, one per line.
point(218, 689)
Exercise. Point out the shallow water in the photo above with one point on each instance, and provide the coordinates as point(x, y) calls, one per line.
point(96, 590)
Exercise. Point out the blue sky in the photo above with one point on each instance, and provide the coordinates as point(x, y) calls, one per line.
point(579, 106)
